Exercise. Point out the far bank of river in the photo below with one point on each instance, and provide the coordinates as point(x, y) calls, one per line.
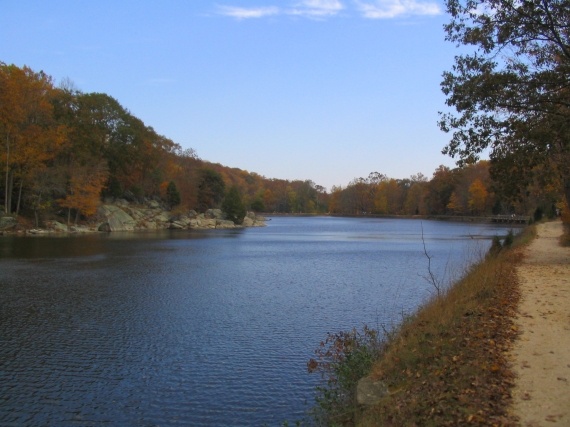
point(520, 220)
point(124, 216)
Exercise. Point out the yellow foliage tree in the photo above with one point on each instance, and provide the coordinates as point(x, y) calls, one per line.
point(455, 205)
point(478, 195)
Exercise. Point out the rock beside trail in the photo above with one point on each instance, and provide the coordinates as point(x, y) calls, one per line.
point(369, 391)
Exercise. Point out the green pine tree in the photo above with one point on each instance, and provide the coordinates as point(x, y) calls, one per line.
point(233, 206)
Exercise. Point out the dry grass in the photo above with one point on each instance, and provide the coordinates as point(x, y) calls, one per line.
point(447, 364)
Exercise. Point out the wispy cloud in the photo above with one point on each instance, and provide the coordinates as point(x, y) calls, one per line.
point(248, 12)
point(320, 9)
point(386, 9)
point(316, 8)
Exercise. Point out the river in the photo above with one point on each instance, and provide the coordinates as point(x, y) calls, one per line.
point(203, 328)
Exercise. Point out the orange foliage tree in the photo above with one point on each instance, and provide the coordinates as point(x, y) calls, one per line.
point(30, 137)
point(84, 189)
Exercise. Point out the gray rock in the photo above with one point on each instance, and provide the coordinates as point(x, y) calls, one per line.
point(224, 224)
point(207, 223)
point(248, 221)
point(115, 219)
point(369, 391)
point(177, 225)
point(162, 216)
point(214, 214)
point(37, 231)
point(7, 222)
point(80, 229)
point(57, 227)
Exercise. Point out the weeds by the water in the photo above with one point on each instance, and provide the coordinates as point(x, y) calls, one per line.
point(342, 359)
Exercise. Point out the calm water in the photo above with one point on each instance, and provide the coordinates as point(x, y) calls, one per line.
point(201, 329)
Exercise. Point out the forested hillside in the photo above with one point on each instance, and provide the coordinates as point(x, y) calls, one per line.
point(64, 151)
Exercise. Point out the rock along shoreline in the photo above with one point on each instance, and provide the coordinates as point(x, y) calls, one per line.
point(124, 216)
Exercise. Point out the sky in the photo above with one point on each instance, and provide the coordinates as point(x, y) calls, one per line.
point(326, 90)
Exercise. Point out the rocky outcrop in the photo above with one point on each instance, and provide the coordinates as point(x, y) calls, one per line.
point(122, 216)
point(116, 219)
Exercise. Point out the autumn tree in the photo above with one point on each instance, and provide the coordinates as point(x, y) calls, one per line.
point(210, 189)
point(414, 201)
point(511, 89)
point(477, 196)
point(172, 194)
point(84, 189)
point(186, 173)
point(257, 205)
point(359, 196)
point(389, 197)
point(335, 199)
point(46, 182)
point(30, 137)
point(455, 205)
point(439, 190)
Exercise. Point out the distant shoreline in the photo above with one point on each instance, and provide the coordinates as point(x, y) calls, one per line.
point(517, 220)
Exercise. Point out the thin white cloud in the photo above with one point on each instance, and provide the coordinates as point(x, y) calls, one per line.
point(248, 12)
point(386, 9)
point(317, 8)
point(320, 9)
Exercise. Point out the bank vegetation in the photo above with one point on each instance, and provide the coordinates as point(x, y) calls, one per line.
point(444, 365)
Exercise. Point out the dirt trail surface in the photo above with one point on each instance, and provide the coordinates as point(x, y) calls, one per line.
point(541, 356)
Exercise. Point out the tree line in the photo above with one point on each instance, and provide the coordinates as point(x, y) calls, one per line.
point(469, 190)
point(64, 151)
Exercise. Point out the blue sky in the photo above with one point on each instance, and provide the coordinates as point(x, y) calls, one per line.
point(328, 90)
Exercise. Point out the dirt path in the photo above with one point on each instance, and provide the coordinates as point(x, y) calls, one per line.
point(541, 356)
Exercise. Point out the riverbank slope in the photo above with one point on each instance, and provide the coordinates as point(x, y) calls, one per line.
point(492, 351)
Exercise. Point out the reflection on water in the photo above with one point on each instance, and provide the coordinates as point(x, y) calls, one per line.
point(201, 329)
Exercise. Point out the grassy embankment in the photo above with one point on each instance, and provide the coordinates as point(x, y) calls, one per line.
point(446, 365)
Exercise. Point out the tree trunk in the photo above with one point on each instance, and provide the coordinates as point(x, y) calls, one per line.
point(19, 197)
point(9, 188)
point(567, 191)
point(6, 207)
point(36, 207)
